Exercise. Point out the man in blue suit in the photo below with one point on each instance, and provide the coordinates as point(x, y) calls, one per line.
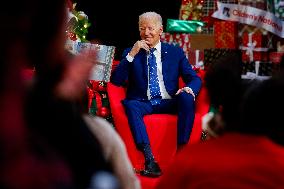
point(152, 70)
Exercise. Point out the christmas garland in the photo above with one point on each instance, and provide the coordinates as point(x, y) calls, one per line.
point(77, 25)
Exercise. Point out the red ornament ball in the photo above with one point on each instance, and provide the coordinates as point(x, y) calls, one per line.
point(103, 112)
point(72, 36)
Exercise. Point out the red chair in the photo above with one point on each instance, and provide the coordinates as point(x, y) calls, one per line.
point(161, 128)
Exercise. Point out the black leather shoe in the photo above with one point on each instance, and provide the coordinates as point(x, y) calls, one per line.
point(152, 169)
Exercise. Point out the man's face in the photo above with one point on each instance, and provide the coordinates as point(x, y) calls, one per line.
point(150, 31)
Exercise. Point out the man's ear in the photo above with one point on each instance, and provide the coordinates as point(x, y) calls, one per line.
point(161, 30)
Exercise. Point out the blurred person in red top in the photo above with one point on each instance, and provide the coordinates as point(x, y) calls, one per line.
point(246, 155)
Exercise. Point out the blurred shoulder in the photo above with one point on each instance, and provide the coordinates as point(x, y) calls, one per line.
point(99, 126)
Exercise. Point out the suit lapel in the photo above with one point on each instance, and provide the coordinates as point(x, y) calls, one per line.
point(164, 59)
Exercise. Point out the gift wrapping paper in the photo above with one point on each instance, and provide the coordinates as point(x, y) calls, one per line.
point(98, 101)
point(209, 6)
point(103, 61)
point(275, 57)
point(184, 26)
point(270, 6)
point(265, 69)
point(211, 55)
point(260, 4)
point(196, 58)
point(202, 41)
point(279, 8)
point(226, 34)
point(254, 47)
point(260, 68)
point(248, 67)
point(182, 40)
point(190, 10)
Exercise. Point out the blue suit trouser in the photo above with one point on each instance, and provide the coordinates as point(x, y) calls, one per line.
point(183, 105)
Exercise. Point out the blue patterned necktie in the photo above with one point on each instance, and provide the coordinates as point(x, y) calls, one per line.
point(154, 87)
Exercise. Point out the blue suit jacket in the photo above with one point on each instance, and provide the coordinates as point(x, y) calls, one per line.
point(174, 65)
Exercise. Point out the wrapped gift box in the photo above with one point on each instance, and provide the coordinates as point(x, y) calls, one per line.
point(275, 68)
point(103, 61)
point(254, 47)
point(209, 6)
point(182, 40)
point(260, 4)
point(202, 41)
point(243, 28)
point(275, 57)
point(226, 34)
point(265, 69)
point(260, 68)
point(248, 67)
point(211, 55)
point(190, 10)
point(184, 26)
point(196, 58)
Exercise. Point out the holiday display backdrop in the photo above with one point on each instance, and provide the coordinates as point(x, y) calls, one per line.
point(76, 43)
point(211, 55)
point(225, 34)
point(98, 103)
point(182, 40)
point(278, 8)
point(201, 10)
point(255, 47)
point(255, 44)
point(196, 58)
point(102, 62)
point(275, 57)
point(184, 26)
point(260, 68)
point(202, 41)
point(78, 24)
point(260, 51)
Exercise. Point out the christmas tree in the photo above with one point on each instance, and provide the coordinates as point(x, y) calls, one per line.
point(78, 24)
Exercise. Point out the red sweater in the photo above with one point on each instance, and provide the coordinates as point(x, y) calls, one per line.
point(232, 161)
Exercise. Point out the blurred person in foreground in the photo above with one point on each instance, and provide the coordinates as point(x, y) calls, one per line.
point(151, 70)
point(27, 161)
point(45, 142)
point(247, 155)
point(89, 144)
point(225, 89)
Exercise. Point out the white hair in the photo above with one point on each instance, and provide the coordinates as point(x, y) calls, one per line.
point(151, 15)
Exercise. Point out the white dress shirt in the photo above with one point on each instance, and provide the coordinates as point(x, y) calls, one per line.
point(157, 54)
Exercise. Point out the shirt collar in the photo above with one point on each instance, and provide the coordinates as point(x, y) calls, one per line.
point(158, 47)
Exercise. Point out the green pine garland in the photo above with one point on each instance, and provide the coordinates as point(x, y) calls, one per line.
point(81, 27)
